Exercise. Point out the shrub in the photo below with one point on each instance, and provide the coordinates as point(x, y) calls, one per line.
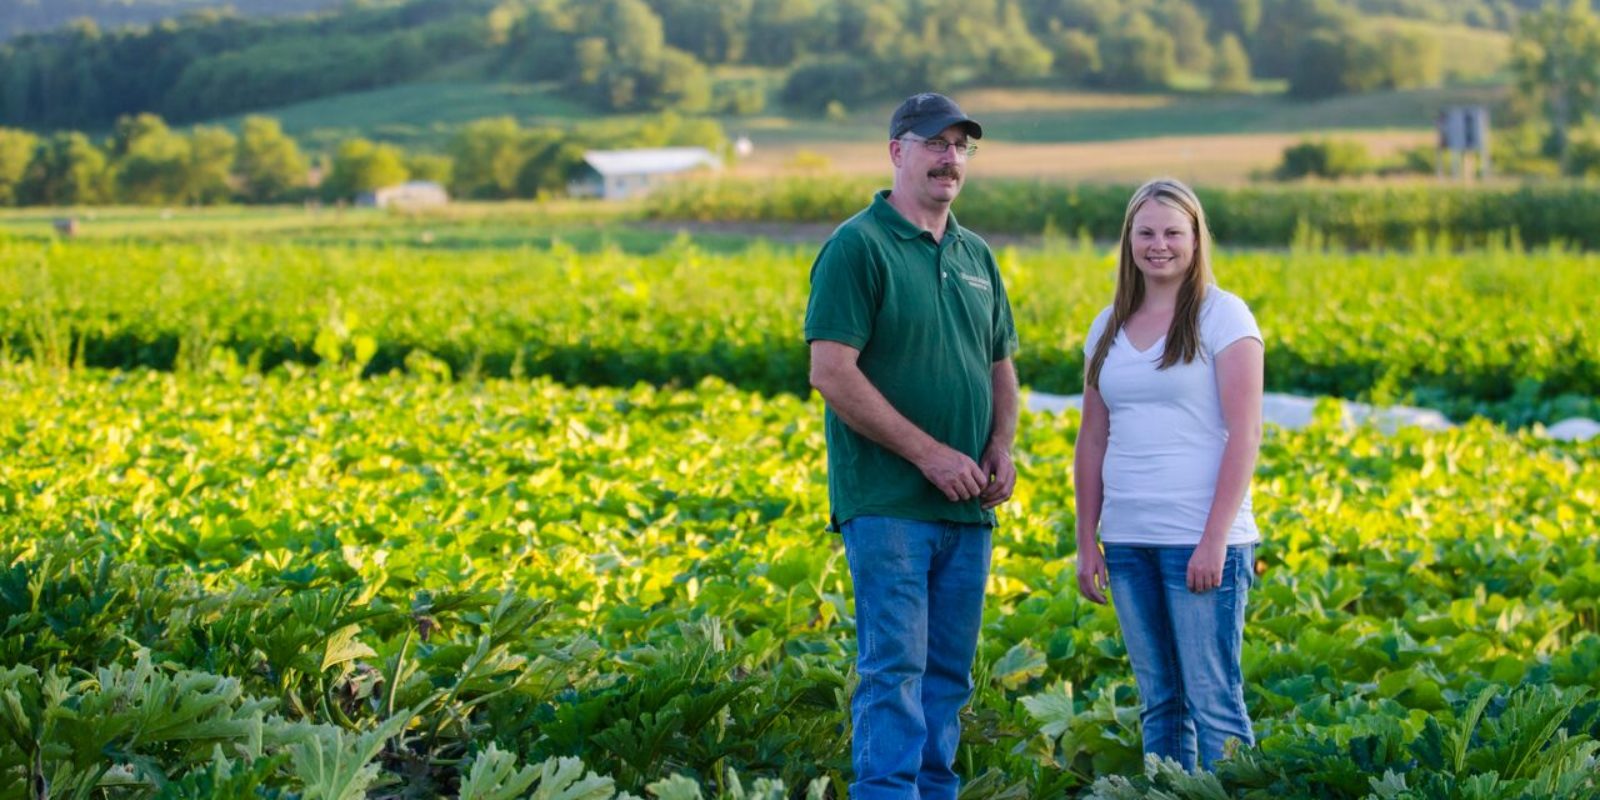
point(1325, 158)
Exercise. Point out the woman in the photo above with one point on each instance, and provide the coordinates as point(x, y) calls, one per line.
point(1171, 427)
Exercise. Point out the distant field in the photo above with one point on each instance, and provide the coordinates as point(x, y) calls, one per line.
point(1116, 136)
point(1036, 115)
point(1220, 159)
point(1056, 133)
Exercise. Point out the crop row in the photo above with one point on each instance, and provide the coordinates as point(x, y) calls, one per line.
point(1272, 216)
point(215, 582)
point(1498, 332)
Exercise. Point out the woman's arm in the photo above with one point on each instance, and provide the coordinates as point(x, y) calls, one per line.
point(1089, 490)
point(1239, 384)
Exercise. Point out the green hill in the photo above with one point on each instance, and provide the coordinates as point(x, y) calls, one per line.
point(419, 114)
point(644, 56)
point(1465, 54)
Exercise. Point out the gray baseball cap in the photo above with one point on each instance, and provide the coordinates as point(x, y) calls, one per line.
point(929, 113)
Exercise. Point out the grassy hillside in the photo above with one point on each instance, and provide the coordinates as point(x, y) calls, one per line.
point(420, 114)
point(1467, 54)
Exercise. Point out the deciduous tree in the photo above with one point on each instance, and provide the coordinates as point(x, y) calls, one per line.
point(361, 165)
point(1556, 57)
point(67, 169)
point(16, 151)
point(270, 164)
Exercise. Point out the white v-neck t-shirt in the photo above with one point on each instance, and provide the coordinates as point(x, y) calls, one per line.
point(1167, 432)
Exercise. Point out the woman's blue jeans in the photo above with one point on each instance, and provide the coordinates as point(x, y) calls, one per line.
point(1185, 648)
point(918, 605)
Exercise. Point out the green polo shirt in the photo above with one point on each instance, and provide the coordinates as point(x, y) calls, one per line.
point(930, 319)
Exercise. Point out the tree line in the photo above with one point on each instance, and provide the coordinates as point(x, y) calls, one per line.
point(18, 17)
point(146, 162)
point(651, 55)
point(209, 65)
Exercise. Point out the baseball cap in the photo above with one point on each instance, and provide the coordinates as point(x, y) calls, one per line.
point(929, 113)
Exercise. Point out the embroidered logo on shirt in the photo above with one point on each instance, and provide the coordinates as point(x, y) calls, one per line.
point(977, 282)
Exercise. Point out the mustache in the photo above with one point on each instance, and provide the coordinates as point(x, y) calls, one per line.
point(946, 171)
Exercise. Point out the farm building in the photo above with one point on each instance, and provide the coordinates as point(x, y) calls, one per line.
point(412, 194)
point(620, 174)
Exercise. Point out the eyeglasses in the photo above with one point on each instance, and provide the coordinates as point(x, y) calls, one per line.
point(937, 145)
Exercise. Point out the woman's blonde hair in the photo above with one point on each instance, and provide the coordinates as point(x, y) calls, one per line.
point(1183, 336)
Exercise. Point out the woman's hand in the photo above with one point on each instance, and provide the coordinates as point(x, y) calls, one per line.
point(1205, 566)
point(1092, 578)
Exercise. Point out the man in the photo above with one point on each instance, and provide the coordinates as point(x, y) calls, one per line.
point(911, 341)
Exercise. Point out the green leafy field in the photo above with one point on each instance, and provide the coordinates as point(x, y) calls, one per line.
point(1504, 332)
point(529, 499)
point(223, 584)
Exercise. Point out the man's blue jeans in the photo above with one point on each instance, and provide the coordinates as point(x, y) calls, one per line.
point(918, 605)
point(1184, 648)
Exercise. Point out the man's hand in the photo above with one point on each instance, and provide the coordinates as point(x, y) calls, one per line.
point(1001, 476)
point(958, 476)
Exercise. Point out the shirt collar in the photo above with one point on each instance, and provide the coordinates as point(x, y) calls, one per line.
point(892, 219)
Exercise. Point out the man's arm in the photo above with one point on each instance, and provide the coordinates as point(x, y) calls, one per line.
point(998, 469)
point(835, 373)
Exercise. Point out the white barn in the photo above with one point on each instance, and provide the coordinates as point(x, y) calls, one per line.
point(620, 174)
point(412, 194)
